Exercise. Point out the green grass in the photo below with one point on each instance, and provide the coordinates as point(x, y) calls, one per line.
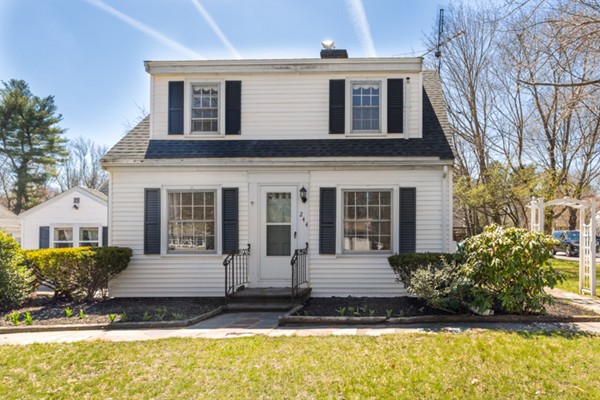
point(429, 366)
point(570, 272)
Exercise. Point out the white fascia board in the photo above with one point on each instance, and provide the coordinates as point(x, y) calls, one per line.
point(286, 162)
point(308, 65)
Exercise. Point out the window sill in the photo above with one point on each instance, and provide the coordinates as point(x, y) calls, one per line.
point(383, 253)
point(366, 134)
point(203, 135)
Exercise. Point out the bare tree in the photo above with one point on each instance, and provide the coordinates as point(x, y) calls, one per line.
point(523, 105)
point(82, 167)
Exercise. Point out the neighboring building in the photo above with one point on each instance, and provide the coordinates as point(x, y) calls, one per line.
point(10, 223)
point(351, 156)
point(75, 218)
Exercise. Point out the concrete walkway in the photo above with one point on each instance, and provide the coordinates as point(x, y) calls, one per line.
point(232, 325)
point(583, 301)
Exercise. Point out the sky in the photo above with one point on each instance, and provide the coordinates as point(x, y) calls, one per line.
point(89, 54)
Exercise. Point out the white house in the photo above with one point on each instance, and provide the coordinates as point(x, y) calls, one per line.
point(10, 223)
point(350, 157)
point(75, 218)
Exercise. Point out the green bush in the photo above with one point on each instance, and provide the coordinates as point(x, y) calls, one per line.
point(405, 264)
point(442, 286)
point(510, 265)
point(78, 272)
point(16, 281)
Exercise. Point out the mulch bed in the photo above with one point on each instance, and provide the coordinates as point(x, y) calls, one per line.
point(45, 310)
point(404, 307)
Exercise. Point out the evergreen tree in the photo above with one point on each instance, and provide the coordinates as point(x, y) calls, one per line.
point(31, 142)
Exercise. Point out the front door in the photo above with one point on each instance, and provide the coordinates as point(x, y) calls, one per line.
point(278, 234)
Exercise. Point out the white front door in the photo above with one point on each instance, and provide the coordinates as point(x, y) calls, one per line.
point(278, 234)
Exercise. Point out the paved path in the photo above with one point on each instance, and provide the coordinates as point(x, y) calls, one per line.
point(232, 325)
point(583, 301)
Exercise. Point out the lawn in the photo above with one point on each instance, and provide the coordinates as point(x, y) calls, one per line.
point(570, 271)
point(431, 366)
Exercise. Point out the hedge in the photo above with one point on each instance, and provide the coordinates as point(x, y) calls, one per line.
point(406, 264)
point(16, 281)
point(78, 272)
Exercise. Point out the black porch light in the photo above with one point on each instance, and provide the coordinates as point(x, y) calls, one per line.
point(303, 192)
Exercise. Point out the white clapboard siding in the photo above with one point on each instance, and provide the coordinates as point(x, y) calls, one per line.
point(284, 106)
point(330, 275)
point(168, 274)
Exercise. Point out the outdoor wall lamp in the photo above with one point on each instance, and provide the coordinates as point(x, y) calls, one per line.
point(303, 192)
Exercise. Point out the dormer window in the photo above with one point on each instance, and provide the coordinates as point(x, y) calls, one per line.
point(205, 108)
point(366, 113)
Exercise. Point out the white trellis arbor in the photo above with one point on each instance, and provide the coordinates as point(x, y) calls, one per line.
point(587, 235)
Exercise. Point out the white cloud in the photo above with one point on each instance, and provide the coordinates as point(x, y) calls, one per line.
point(159, 37)
point(213, 25)
point(361, 26)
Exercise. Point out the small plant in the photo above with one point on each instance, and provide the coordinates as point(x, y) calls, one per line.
point(112, 317)
point(28, 319)
point(341, 311)
point(351, 310)
point(177, 316)
point(7, 317)
point(161, 313)
point(371, 313)
point(358, 311)
point(68, 312)
point(81, 314)
point(400, 314)
point(146, 316)
point(389, 313)
point(124, 317)
point(15, 318)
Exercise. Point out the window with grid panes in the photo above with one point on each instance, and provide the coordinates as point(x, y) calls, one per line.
point(367, 220)
point(205, 108)
point(191, 223)
point(365, 106)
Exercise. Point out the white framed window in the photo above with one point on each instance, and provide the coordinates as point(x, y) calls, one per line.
point(205, 108)
point(366, 106)
point(191, 221)
point(77, 235)
point(62, 237)
point(367, 220)
point(89, 237)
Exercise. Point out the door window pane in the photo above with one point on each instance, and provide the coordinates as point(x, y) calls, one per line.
point(278, 240)
point(279, 207)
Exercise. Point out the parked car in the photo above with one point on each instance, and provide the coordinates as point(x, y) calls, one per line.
point(569, 243)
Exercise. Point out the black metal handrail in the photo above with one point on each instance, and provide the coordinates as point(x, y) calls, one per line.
point(236, 270)
point(299, 275)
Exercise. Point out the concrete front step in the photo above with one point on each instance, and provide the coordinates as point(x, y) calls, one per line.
point(258, 307)
point(268, 296)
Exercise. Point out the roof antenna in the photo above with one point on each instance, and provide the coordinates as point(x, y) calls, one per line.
point(438, 52)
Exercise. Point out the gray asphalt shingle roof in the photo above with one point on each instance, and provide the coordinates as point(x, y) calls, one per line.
point(136, 146)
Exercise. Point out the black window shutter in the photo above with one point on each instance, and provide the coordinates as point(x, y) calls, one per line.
point(408, 220)
point(44, 237)
point(327, 228)
point(395, 112)
point(233, 107)
point(337, 106)
point(176, 108)
point(105, 236)
point(230, 220)
point(151, 221)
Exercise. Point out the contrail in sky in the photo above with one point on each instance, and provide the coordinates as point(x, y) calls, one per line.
point(170, 43)
point(213, 25)
point(361, 25)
